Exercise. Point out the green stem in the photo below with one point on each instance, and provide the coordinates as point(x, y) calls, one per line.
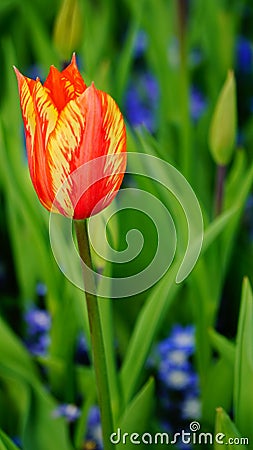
point(219, 195)
point(97, 341)
point(185, 133)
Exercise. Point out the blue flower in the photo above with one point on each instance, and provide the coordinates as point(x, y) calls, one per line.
point(140, 44)
point(178, 379)
point(41, 289)
point(198, 104)
point(244, 55)
point(38, 324)
point(38, 346)
point(178, 383)
point(191, 407)
point(141, 101)
point(17, 441)
point(94, 430)
point(38, 320)
point(67, 410)
point(81, 354)
point(183, 337)
point(175, 369)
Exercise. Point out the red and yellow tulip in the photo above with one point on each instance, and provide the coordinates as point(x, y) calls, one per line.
point(67, 126)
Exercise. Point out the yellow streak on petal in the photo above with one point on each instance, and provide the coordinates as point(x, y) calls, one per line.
point(114, 125)
point(115, 134)
point(28, 112)
point(63, 149)
point(46, 111)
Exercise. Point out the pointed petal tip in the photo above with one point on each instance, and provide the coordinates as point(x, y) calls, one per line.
point(92, 86)
point(18, 74)
point(73, 59)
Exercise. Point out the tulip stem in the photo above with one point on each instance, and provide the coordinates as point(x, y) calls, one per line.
point(96, 333)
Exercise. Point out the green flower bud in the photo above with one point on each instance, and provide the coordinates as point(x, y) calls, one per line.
point(68, 28)
point(223, 125)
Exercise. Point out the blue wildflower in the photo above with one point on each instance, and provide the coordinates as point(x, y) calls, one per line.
point(38, 320)
point(178, 389)
point(198, 104)
point(81, 354)
point(67, 410)
point(41, 289)
point(178, 379)
point(140, 44)
point(38, 346)
point(175, 369)
point(38, 324)
point(94, 430)
point(195, 57)
point(17, 441)
point(183, 337)
point(141, 101)
point(244, 55)
point(191, 407)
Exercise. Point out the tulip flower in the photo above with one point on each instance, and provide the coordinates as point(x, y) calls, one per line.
point(67, 126)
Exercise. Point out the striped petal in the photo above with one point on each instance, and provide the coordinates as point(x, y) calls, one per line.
point(64, 151)
point(64, 86)
point(26, 86)
point(104, 135)
point(46, 118)
point(88, 128)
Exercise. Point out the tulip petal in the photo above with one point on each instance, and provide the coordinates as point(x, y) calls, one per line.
point(104, 134)
point(64, 86)
point(64, 144)
point(87, 128)
point(26, 86)
point(72, 74)
point(46, 118)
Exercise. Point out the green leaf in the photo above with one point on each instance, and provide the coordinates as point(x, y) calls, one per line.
point(144, 333)
point(18, 365)
point(43, 431)
point(216, 227)
point(226, 432)
point(87, 388)
point(39, 36)
point(136, 416)
point(243, 393)
point(225, 347)
point(228, 239)
point(218, 389)
point(126, 56)
point(14, 355)
point(13, 413)
point(155, 308)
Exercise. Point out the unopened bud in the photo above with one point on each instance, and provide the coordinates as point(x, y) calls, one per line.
point(223, 125)
point(68, 28)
